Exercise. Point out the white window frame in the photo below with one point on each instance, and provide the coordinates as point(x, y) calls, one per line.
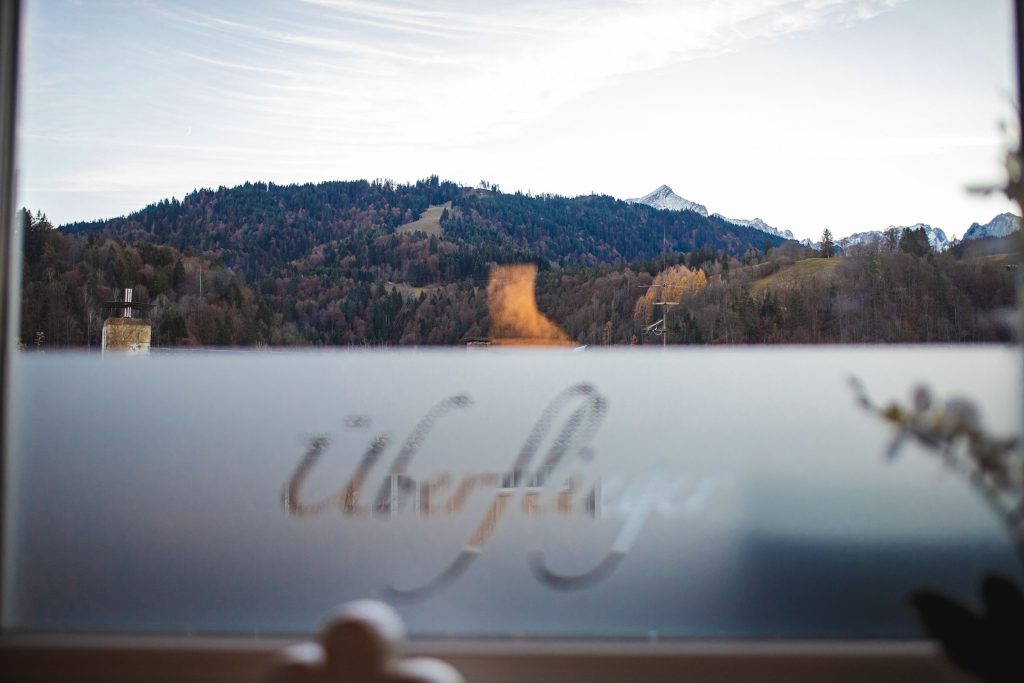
point(126, 657)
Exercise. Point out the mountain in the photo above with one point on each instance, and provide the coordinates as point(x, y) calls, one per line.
point(378, 263)
point(348, 263)
point(594, 229)
point(858, 239)
point(261, 228)
point(758, 224)
point(1000, 226)
point(936, 236)
point(665, 198)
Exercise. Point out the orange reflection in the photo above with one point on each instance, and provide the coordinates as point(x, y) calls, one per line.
point(515, 318)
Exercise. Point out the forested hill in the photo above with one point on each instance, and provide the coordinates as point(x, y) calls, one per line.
point(595, 229)
point(366, 263)
point(345, 264)
point(342, 263)
point(258, 228)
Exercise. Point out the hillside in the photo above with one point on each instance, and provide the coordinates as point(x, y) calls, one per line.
point(373, 263)
point(196, 299)
point(258, 228)
point(797, 274)
point(378, 263)
point(429, 221)
point(874, 296)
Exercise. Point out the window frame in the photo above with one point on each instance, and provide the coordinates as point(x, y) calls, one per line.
point(116, 657)
point(111, 658)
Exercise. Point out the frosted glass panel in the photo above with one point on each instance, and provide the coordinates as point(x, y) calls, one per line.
point(688, 493)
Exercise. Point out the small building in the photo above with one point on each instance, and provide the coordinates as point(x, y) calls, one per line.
point(127, 328)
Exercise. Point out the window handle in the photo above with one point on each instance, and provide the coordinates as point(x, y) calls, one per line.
point(360, 642)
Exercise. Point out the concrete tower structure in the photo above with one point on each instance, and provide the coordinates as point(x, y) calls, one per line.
point(127, 329)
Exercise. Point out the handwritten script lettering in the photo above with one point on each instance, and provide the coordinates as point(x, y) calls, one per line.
point(567, 426)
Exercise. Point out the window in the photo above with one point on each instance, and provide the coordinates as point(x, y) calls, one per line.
point(603, 515)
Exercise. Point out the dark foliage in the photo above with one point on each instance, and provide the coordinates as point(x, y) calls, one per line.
point(593, 230)
point(986, 643)
point(66, 280)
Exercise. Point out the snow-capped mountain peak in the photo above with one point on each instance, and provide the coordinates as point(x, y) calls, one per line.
point(1000, 226)
point(859, 238)
point(665, 198)
point(936, 237)
point(757, 224)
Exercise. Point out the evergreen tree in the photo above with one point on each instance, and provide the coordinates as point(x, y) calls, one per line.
point(828, 247)
point(915, 242)
point(891, 240)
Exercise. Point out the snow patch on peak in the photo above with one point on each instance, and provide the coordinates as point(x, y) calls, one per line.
point(665, 198)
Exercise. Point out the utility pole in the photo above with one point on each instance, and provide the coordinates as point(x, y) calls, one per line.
point(660, 327)
point(664, 317)
point(653, 327)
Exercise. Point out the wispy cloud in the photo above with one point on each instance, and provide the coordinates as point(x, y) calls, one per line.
point(499, 18)
point(428, 71)
point(497, 68)
point(159, 98)
point(239, 66)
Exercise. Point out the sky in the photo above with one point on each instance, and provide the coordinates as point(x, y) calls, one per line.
point(850, 115)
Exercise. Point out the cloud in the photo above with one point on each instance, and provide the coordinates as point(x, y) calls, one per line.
point(228, 64)
point(430, 72)
point(349, 88)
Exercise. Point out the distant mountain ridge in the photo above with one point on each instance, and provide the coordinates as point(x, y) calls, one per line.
point(758, 224)
point(665, 198)
point(1000, 226)
point(936, 236)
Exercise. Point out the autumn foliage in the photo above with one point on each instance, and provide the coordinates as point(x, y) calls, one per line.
point(675, 284)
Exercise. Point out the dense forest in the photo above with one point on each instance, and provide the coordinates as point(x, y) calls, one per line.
point(343, 264)
point(66, 279)
point(258, 228)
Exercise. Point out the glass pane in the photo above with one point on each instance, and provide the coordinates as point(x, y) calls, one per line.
point(574, 491)
point(292, 174)
point(633, 494)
